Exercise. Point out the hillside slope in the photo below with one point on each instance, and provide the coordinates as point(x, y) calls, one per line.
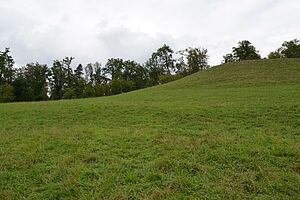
point(230, 132)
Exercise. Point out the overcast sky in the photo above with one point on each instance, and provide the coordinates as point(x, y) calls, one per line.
point(94, 30)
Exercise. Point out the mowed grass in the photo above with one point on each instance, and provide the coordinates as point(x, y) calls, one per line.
point(231, 132)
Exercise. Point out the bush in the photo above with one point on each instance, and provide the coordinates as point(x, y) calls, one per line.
point(168, 78)
point(6, 93)
point(69, 94)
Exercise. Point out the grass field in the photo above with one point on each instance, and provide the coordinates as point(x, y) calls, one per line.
point(230, 132)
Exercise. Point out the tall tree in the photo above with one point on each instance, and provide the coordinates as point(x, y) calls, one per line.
point(6, 67)
point(99, 74)
point(289, 49)
point(181, 66)
point(165, 58)
point(37, 77)
point(22, 88)
point(67, 65)
point(58, 80)
point(134, 74)
point(160, 63)
point(196, 59)
point(114, 68)
point(245, 51)
point(79, 82)
point(154, 70)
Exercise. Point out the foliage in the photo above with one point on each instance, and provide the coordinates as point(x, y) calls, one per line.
point(196, 59)
point(275, 55)
point(244, 51)
point(6, 67)
point(228, 58)
point(289, 49)
point(169, 78)
point(6, 93)
point(58, 80)
point(37, 77)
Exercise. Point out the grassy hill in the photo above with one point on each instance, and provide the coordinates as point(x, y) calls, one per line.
point(230, 132)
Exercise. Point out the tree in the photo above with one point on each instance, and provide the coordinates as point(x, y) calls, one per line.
point(275, 54)
point(69, 93)
point(6, 67)
point(89, 73)
point(58, 80)
point(67, 65)
point(37, 77)
point(79, 82)
point(160, 63)
point(113, 68)
point(165, 59)
point(154, 71)
point(89, 91)
point(134, 74)
point(22, 90)
point(101, 87)
point(196, 59)
point(99, 75)
point(228, 58)
point(181, 66)
point(244, 51)
point(289, 49)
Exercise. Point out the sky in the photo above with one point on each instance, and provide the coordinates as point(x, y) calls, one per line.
point(95, 30)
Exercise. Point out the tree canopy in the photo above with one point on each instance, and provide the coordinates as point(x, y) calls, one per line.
point(289, 49)
point(37, 82)
point(244, 51)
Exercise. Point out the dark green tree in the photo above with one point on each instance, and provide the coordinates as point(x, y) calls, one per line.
point(22, 90)
point(58, 80)
point(160, 63)
point(6, 67)
point(228, 58)
point(196, 59)
point(99, 75)
point(67, 65)
point(114, 68)
point(154, 70)
point(245, 51)
point(135, 75)
point(37, 77)
point(289, 49)
point(165, 59)
point(79, 82)
point(275, 54)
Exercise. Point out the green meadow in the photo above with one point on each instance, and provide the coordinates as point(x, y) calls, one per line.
point(229, 132)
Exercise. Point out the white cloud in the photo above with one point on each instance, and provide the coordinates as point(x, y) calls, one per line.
point(94, 30)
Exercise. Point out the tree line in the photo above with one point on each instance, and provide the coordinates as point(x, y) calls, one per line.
point(246, 51)
point(38, 82)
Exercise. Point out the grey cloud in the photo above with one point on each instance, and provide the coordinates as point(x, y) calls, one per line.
point(125, 43)
point(95, 30)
